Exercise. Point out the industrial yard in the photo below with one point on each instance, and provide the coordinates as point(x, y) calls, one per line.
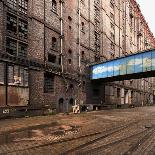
point(114, 132)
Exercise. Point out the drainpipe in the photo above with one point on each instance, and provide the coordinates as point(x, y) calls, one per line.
point(79, 22)
point(61, 37)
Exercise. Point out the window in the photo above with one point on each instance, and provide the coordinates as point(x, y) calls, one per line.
point(82, 55)
point(69, 61)
point(54, 6)
point(112, 36)
point(112, 26)
point(70, 18)
point(112, 16)
point(11, 46)
point(48, 83)
point(51, 58)
point(70, 51)
point(118, 92)
point(1, 73)
point(82, 26)
point(23, 6)
point(23, 29)
point(54, 43)
point(22, 50)
point(112, 46)
point(17, 75)
point(96, 92)
point(12, 4)
point(11, 23)
point(82, 1)
point(60, 60)
point(71, 86)
point(112, 4)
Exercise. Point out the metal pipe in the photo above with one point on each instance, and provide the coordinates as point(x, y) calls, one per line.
point(61, 37)
point(79, 34)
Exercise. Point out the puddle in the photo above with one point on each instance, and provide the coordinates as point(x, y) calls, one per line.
point(47, 133)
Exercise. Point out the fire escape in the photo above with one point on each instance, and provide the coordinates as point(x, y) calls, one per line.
point(97, 29)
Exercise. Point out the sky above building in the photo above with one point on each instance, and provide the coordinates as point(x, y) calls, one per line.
point(148, 10)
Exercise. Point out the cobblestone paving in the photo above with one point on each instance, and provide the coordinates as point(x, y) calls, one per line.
point(123, 131)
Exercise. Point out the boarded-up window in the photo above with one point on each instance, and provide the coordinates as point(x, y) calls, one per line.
point(17, 75)
point(1, 73)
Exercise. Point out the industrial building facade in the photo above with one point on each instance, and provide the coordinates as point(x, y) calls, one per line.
point(46, 47)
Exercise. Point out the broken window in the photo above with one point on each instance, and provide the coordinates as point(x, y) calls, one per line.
point(54, 6)
point(11, 46)
point(51, 58)
point(48, 83)
point(23, 29)
point(11, 23)
point(23, 5)
point(17, 75)
point(22, 49)
point(1, 73)
point(12, 4)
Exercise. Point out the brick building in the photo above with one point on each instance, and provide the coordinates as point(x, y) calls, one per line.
point(46, 47)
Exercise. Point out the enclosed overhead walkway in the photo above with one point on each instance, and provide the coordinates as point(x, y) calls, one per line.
point(135, 66)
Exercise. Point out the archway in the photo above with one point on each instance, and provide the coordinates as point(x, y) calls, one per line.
point(61, 105)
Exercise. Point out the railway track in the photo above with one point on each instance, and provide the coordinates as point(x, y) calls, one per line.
point(95, 149)
point(93, 138)
point(100, 134)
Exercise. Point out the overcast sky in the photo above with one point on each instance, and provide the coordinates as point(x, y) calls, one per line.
point(148, 10)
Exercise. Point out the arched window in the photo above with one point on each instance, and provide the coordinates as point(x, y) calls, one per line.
point(54, 6)
point(71, 101)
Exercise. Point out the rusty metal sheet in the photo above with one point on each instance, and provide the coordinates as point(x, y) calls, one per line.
point(18, 96)
point(2, 96)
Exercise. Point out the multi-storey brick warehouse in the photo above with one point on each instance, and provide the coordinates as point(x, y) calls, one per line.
point(46, 47)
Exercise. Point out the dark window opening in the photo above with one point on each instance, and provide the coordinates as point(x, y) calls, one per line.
point(70, 18)
point(84, 83)
point(22, 50)
point(71, 86)
point(2, 73)
point(82, 26)
point(71, 101)
point(54, 6)
point(51, 58)
point(82, 54)
point(48, 83)
point(59, 60)
point(12, 4)
point(11, 46)
point(96, 92)
point(23, 29)
point(69, 61)
point(54, 43)
point(118, 92)
point(12, 23)
point(70, 51)
point(23, 6)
